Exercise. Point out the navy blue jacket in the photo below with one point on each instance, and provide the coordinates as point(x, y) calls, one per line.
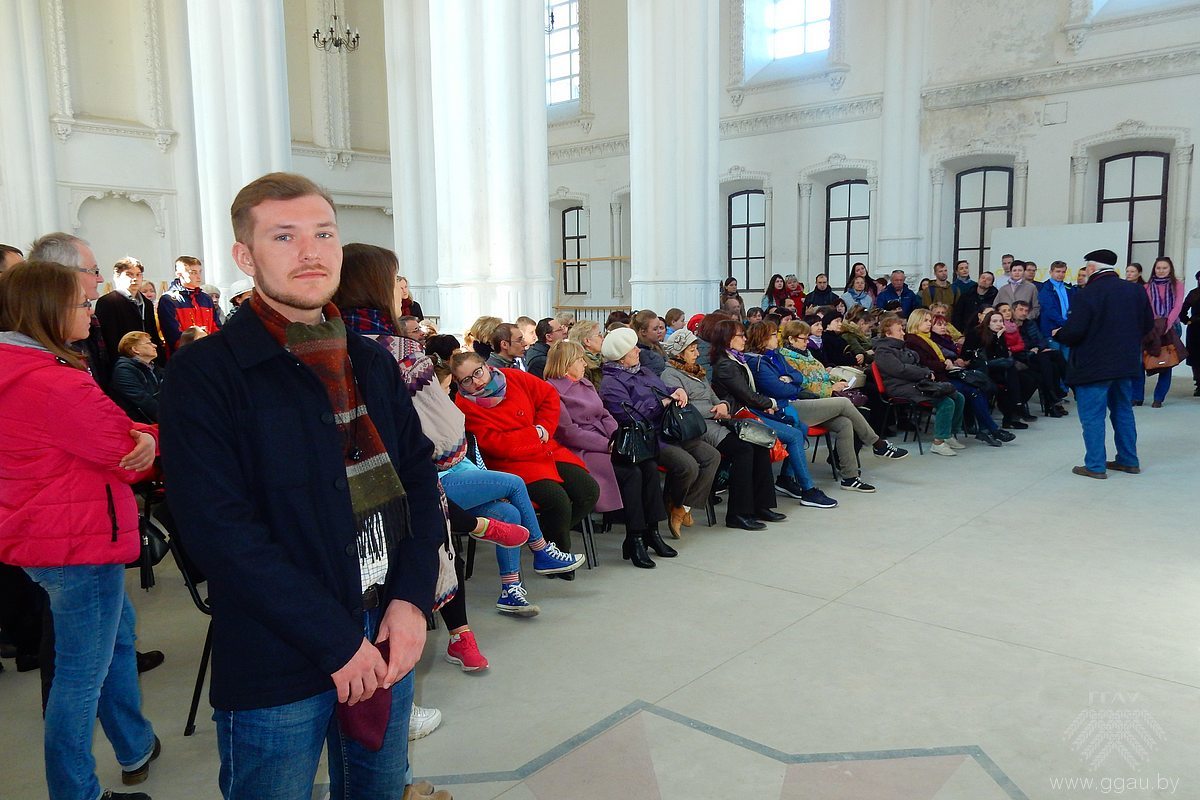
point(1108, 319)
point(256, 482)
point(1052, 316)
point(907, 297)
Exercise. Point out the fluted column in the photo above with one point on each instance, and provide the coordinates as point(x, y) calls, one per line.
point(488, 111)
point(673, 136)
point(410, 127)
point(240, 102)
point(899, 184)
point(27, 194)
point(804, 236)
point(1177, 205)
point(1020, 189)
point(1079, 171)
point(937, 179)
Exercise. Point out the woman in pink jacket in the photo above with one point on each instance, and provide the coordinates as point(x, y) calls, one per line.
point(68, 517)
point(1166, 292)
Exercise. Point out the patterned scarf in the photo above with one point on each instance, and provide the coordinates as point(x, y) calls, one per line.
point(1162, 296)
point(490, 394)
point(369, 321)
point(377, 496)
point(695, 370)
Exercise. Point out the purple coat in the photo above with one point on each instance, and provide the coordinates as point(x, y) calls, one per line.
point(584, 428)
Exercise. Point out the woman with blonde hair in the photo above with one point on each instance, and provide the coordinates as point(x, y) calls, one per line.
point(587, 334)
point(479, 335)
point(135, 380)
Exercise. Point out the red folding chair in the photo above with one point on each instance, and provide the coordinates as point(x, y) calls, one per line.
point(914, 412)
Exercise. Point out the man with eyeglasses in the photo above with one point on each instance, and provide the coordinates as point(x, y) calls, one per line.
point(548, 331)
point(71, 251)
point(508, 345)
point(124, 309)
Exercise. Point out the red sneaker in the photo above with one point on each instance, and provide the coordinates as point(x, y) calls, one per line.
point(463, 651)
point(503, 534)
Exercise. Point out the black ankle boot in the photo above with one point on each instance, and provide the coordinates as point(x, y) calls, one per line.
point(634, 549)
point(655, 542)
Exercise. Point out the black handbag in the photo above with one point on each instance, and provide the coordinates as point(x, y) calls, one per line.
point(931, 388)
point(975, 379)
point(634, 441)
point(155, 544)
point(752, 431)
point(681, 423)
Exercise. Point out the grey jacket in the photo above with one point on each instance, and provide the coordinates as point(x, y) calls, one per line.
point(701, 395)
point(901, 369)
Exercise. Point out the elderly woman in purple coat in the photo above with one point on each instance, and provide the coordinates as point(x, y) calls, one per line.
point(585, 427)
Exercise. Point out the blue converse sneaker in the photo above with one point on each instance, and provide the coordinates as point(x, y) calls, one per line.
point(513, 600)
point(552, 561)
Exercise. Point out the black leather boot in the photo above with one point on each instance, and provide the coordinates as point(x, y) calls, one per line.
point(634, 549)
point(655, 542)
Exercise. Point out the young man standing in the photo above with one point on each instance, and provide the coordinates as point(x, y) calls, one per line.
point(185, 304)
point(320, 520)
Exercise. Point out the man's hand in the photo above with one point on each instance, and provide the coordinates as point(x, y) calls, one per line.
point(141, 457)
point(403, 628)
point(361, 675)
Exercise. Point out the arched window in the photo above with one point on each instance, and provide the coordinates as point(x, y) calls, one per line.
point(983, 201)
point(574, 250)
point(847, 228)
point(748, 239)
point(1133, 188)
point(562, 52)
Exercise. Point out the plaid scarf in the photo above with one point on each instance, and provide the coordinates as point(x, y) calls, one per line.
point(369, 321)
point(377, 496)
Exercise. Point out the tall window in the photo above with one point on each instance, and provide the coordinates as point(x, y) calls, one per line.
point(562, 52)
point(797, 27)
point(748, 239)
point(982, 202)
point(574, 250)
point(847, 227)
point(1133, 188)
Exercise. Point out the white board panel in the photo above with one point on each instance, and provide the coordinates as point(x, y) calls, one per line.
point(1067, 243)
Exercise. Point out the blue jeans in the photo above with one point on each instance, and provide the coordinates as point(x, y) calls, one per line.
point(794, 438)
point(1092, 400)
point(272, 753)
point(95, 672)
point(484, 492)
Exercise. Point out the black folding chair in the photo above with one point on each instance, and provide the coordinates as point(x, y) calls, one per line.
point(192, 578)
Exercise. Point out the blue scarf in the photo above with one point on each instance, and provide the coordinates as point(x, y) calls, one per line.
point(1060, 289)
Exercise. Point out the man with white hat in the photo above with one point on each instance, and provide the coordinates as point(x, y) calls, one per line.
point(1108, 319)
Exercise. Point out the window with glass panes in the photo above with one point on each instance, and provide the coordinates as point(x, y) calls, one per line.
point(574, 250)
point(847, 228)
point(748, 239)
point(562, 52)
point(982, 202)
point(797, 27)
point(1133, 188)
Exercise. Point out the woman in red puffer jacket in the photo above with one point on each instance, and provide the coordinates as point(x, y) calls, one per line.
point(68, 517)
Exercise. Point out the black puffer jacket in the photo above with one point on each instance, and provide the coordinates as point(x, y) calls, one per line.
point(901, 369)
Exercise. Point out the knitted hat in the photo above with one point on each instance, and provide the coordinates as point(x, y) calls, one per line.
point(693, 324)
point(677, 342)
point(618, 343)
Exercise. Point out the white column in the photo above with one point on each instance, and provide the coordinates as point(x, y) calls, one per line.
point(240, 101)
point(490, 149)
point(617, 272)
point(410, 126)
point(27, 194)
point(804, 245)
point(673, 136)
point(1079, 171)
point(1020, 192)
point(899, 237)
point(1177, 205)
point(937, 178)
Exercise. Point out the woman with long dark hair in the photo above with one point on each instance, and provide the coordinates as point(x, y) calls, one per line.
point(775, 294)
point(1166, 292)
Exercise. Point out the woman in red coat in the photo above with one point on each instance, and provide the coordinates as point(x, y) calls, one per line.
point(513, 416)
point(67, 516)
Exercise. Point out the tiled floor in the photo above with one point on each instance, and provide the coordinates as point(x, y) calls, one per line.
point(988, 626)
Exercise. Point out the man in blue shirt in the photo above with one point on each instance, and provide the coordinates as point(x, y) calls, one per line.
point(899, 292)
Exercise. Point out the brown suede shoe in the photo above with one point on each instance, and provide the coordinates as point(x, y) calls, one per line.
point(687, 519)
point(675, 521)
point(1119, 467)
point(1087, 473)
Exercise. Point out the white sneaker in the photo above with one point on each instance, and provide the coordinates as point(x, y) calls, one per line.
point(423, 722)
point(943, 449)
point(955, 444)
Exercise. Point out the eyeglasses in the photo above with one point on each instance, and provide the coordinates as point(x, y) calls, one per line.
point(94, 271)
point(85, 304)
point(738, 336)
point(474, 377)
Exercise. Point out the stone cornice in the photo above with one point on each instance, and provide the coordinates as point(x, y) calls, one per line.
point(586, 151)
point(1152, 65)
point(809, 116)
point(65, 126)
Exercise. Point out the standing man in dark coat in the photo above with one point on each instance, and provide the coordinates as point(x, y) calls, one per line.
point(124, 309)
point(1108, 319)
point(319, 520)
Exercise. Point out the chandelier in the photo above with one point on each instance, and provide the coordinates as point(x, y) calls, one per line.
point(334, 38)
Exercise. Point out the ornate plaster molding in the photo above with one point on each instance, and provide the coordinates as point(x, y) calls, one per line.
point(1152, 65)
point(1128, 130)
point(163, 137)
point(60, 68)
point(807, 116)
point(586, 151)
point(154, 199)
point(838, 162)
point(152, 54)
point(981, 147)
point(563, 193)
point(333, 157)
point(367, 201)
point(1082, 20)
point(740, 173)
point(937, 176)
